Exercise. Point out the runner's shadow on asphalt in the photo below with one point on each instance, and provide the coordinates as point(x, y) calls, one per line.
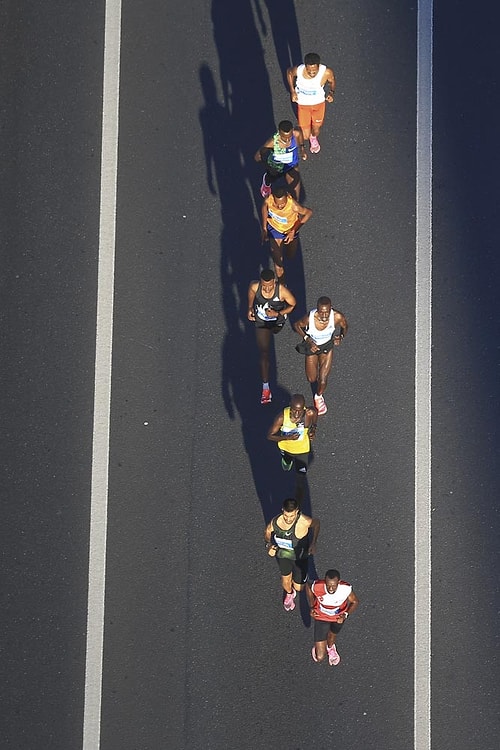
point(285, 32)
point(295, 281)
point(312, 575)
point(234, 125)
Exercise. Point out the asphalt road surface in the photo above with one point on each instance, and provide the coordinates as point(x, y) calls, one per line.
point(198, 651)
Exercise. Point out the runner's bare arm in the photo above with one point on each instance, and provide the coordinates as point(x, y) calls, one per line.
point(303, 215)
point(268, 532)
point(312, 422)
point(290, 300)
point(314, 528)
point(274, 433)
point(299, 135)
point(340, 321)
point(310, 596)
point(291, 76)
point(329, 78)
point(304, 212)
point(251, 299)
point(352, 606)
point(300, 326)
point(263, 227)
point(268, 144)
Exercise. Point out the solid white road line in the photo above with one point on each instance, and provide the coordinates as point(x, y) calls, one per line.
point(423, 379)
point(102, 387)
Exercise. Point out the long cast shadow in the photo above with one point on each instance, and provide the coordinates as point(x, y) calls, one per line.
point(233, 128)
point(284, 30)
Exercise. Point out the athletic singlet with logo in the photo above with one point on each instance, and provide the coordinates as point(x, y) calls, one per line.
point(261, 304)
point(288, 155)
point(310, 90)
point(327, 606)
point(288, 544)
point(321, 337)
point(302, 444)
point(284, 218)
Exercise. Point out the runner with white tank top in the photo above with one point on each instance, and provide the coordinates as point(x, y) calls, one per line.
point(306, 83)
point(321, 330)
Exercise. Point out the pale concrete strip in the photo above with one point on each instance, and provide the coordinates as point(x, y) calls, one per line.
point(102, 388)
point(423, 380)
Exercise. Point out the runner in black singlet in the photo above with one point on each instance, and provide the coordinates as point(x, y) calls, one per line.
point(287, 539)
point(269, 303)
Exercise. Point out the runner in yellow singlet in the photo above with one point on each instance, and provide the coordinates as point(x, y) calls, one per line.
point(293, 429)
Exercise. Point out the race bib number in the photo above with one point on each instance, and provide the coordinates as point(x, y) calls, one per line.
point(286, 158)
point(283, 543)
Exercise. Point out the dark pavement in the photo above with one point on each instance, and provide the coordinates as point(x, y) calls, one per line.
point(198, 650)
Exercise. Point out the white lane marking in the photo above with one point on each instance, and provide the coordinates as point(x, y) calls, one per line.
point(102, 387)
point(423, 379)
